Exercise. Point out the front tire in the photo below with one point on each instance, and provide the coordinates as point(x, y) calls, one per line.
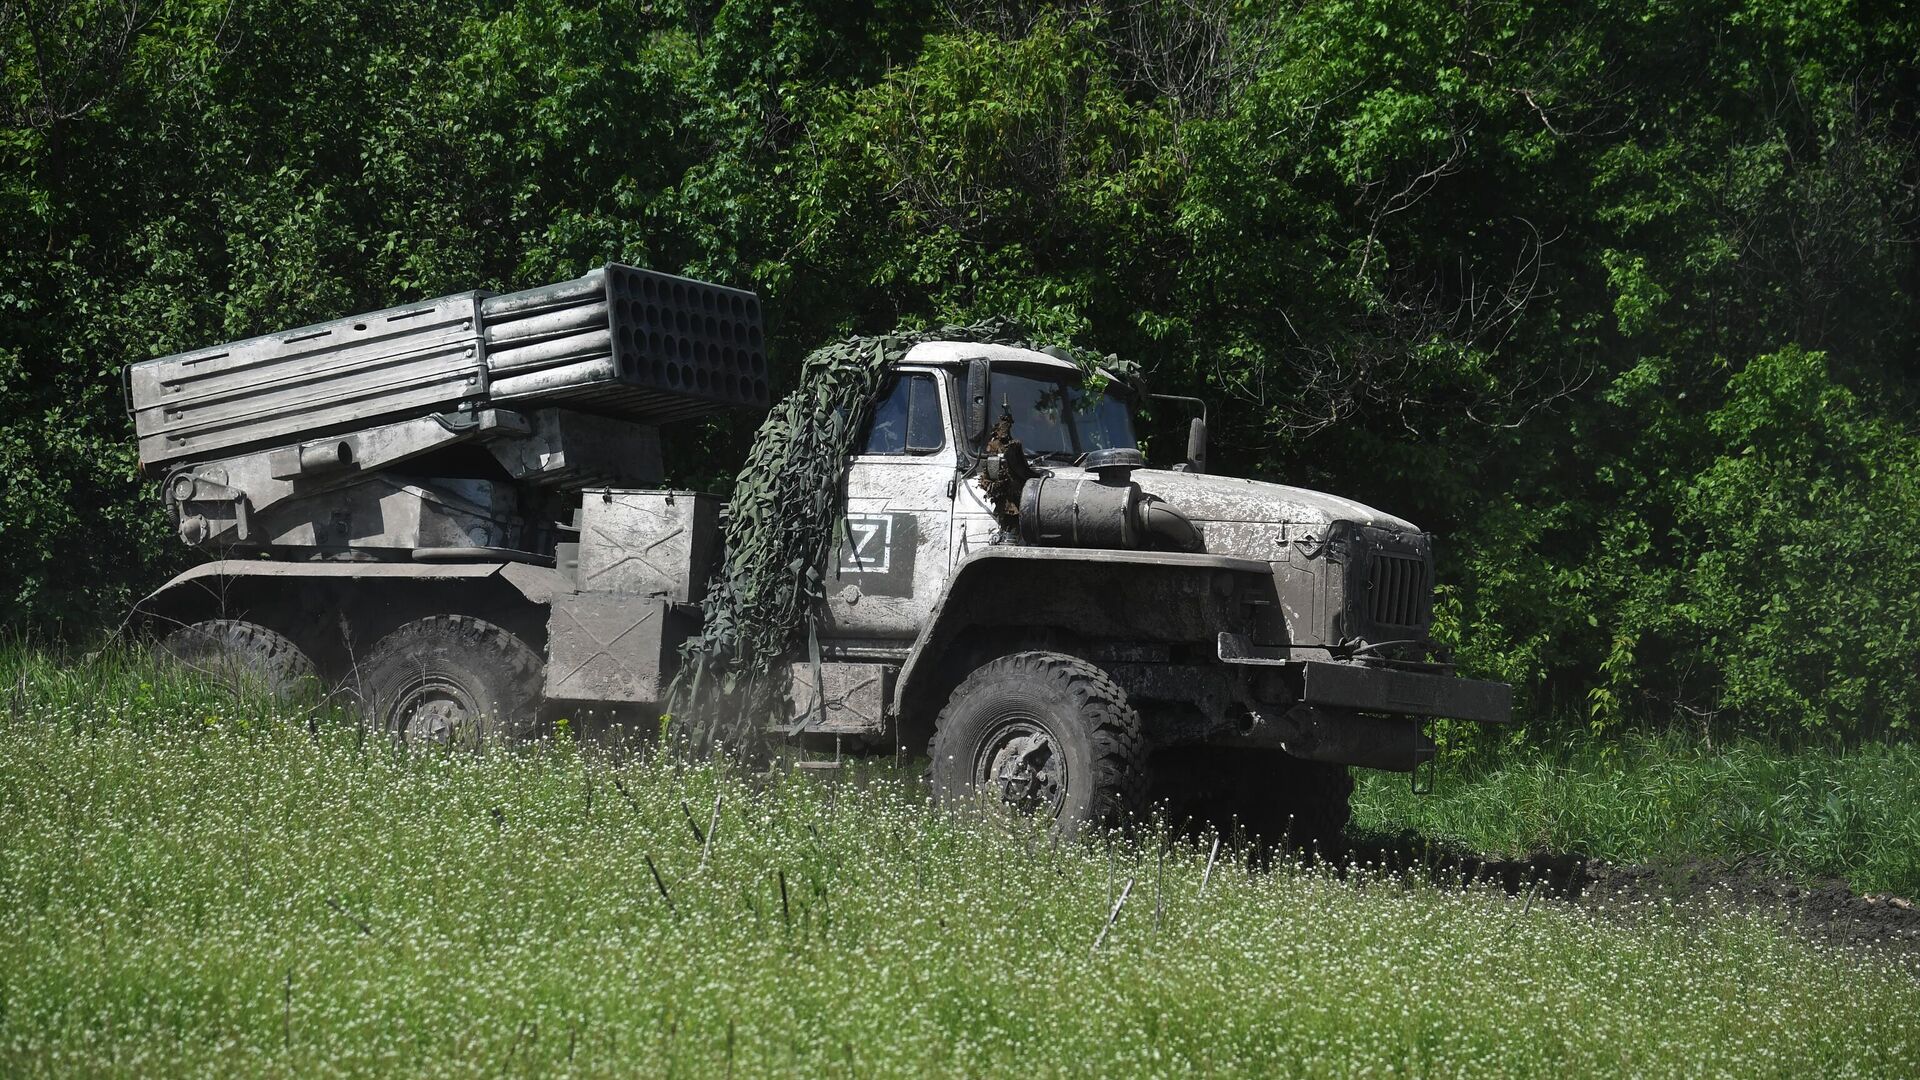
point(1046, 733)
point(452, 680)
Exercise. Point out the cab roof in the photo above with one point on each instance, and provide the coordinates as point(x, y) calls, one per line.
point(957, 353)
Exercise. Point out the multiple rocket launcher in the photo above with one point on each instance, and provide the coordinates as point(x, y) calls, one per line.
point(356, 437)
point(620, 342)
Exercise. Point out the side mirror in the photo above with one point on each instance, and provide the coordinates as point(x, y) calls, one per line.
point(1196, 431)
point(1197, 444)
point(976, 402)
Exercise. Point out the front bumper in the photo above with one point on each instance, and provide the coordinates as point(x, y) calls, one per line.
point(1379, 688)
point(1364, 688)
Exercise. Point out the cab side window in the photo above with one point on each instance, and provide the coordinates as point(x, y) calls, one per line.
point(906, 420)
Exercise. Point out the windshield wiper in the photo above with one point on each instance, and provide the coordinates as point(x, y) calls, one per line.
point(1067, 456)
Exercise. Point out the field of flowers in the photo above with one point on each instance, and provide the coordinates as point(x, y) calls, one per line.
point(190, 883)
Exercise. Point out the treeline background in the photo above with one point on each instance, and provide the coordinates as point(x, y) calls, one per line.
point(1619, 298)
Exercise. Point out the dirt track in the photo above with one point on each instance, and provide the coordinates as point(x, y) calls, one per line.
point(1823, 910)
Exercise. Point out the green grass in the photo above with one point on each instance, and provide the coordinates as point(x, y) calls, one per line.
point(189, 886)
point(1851, 814)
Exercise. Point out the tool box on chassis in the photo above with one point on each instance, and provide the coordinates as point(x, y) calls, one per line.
point(455, 510)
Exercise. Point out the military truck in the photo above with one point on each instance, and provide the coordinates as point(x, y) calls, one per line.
point(455, 509)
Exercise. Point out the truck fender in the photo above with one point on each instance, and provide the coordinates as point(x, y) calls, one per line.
point(335, 610)
point(1116, 595)
point(208, 581)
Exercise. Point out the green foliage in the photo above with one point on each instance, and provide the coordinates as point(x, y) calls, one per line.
point(1800, 599)
point(188, 887)
point(1498, 269)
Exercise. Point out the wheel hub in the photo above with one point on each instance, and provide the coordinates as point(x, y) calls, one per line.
point(1023, 765)
point(433, 713)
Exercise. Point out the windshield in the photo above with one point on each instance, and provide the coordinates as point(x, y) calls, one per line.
point(1056, 415)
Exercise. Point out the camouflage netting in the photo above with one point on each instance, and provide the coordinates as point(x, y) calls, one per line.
point(778, 534)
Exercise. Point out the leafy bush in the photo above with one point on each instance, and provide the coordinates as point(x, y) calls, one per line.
point(1798, 592)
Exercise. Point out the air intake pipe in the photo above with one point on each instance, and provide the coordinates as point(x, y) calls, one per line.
point(1108, 512)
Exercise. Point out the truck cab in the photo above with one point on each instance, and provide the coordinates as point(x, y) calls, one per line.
point(1241, 638)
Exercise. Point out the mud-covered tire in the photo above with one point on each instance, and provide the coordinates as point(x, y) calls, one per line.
point(245, 656)
point(452, 680)
point(1047, 733)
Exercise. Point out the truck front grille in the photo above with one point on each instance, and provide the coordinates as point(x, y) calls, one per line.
point(1397, 590)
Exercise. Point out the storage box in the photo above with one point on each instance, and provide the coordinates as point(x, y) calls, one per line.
point(607, 647)
point(647, 543)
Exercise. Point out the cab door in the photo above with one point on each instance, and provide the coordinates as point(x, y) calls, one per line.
point(890, 550)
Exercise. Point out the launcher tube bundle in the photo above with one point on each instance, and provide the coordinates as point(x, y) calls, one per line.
point(357, 436)
point(620, 342)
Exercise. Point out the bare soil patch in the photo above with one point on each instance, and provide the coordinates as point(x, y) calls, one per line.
point(1823, 910)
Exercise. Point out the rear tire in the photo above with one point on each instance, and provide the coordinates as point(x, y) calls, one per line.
point(452, 680)
point(245, 656)
point(1046, 733)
